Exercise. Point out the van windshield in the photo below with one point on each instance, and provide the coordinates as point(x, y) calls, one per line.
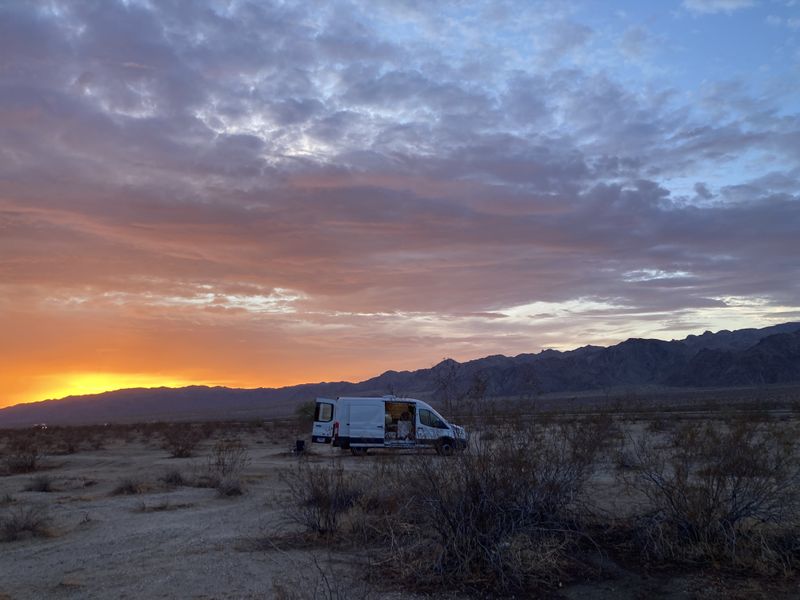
point(429, 418)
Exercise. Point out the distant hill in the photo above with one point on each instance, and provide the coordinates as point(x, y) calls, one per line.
point(744, 357)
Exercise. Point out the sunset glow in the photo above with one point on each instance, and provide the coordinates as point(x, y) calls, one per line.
point(248, 194)
point(74, 384)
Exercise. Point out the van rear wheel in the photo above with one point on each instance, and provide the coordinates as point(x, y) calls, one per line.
point(444, 447)
point(358, 451)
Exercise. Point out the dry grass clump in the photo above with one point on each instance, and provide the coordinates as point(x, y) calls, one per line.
point(229, 487)
point(20, 522)
point(173, 477)
point(40, 483)
point(723, 494)
point(163, 506)
point(129, 487)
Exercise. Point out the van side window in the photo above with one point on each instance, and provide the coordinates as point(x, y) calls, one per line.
point(323, 412)
point(426, 417)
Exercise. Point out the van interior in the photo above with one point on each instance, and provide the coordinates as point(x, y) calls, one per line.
point(400, 421)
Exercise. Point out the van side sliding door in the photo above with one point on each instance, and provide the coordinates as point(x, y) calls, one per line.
point(367, 422)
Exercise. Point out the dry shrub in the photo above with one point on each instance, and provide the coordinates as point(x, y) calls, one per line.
point(317, 581)
point(67, 440)
point(163, 506)
point(230, 487)
point(173, 477)
point(321, 495)
point(181, 440)
point(504, 518)
point(224, 467)
point(24, 521)
point(722, 495)
point(22, 454)
point(128, 487)
point(208, 428)
point(40, 483)
point(228, 459)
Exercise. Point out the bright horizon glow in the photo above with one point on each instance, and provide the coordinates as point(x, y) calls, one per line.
point(57, 386)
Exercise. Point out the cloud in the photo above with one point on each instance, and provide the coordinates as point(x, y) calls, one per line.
point(275, 178)
point(701, 189)
point(634, 42)
point(716, 6)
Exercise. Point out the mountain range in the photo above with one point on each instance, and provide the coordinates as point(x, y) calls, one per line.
point(745, 357)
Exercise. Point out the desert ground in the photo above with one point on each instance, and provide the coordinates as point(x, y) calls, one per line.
point(112, 512)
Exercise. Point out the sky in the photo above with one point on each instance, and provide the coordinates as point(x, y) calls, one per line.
point(269, 193)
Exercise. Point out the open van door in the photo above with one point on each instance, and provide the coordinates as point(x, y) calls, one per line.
point(322, 433)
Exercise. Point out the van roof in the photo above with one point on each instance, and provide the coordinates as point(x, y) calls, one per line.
point(384, 398)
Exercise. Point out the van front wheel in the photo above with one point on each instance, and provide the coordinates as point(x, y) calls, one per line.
point(444, 447)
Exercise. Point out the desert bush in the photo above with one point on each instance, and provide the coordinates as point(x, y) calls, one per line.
point(591, 435)
point(67, 440)
point(229, 486)
point(318, 581)
point(128, 486)
point(722, 494)
point(321, 495)
point(40, 483)
point(22, 454)
point(181, 440)
point(228, 458)
point(502, 519)
point(208, 428)
point(163, 506)
point(223, 468)
point(97, 442)
point(23, 521)
point(173, 477)
point(488, 436)
point(305, 412)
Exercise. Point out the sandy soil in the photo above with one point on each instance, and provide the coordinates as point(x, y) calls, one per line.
point(188, 542)
point(106, 545)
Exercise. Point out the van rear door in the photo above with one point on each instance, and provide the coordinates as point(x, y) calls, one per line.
point(322, 433)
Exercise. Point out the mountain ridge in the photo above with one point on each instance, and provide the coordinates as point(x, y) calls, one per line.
point(769, 355)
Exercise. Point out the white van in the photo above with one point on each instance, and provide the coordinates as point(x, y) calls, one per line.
point(358, 424)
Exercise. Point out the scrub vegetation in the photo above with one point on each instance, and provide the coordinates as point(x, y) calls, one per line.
point(538, 503)
point(519, 513)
